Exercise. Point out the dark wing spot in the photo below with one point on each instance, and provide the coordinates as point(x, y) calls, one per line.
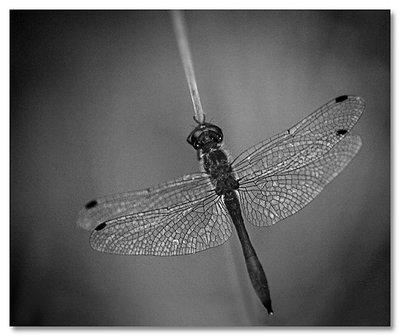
point(100, 226)
point(341, 98)
point(91, 204)
point(341, 132)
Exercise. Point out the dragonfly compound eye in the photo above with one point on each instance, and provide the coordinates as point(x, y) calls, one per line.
point(205, 135)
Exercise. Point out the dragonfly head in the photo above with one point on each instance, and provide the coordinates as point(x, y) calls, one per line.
point(205, 136)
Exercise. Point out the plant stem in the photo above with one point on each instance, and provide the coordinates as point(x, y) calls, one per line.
point(183, 45)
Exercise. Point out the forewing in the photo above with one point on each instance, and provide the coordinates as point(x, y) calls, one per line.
point(173, 193)
point(268, 199)
point(305, 142)
point(185, 229)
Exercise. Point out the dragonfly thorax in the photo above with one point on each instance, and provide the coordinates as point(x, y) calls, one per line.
point(216, 165)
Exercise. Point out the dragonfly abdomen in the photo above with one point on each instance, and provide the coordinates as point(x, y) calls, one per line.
point(254, 267)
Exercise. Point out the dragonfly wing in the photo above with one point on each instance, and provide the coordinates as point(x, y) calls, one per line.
point(268, 199)
point(305, 142)
point(167, 194)
point(184, 229)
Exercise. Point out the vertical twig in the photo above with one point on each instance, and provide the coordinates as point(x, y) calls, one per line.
point(184, 50)
point(183, 45)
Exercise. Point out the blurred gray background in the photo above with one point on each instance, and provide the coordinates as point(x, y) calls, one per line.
point(100, 104)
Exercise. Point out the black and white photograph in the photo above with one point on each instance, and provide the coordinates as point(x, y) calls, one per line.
point(200, 168)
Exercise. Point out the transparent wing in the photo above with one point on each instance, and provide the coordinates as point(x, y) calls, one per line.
point(184, 189)
point(268, 199)
point(184, 229)
point(305, 142)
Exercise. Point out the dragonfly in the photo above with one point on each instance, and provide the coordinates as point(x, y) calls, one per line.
point(263, 185)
